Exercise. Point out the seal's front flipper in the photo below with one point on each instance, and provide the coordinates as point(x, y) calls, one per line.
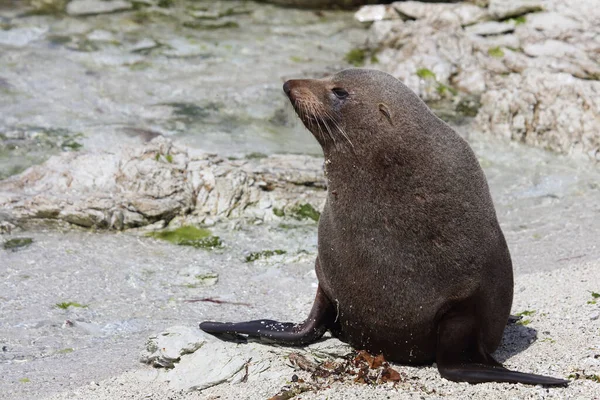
point(461, 356)
point(319, 320)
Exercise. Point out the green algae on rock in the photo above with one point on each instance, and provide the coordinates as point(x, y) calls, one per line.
point(66, 304)
point(496, 52)
point(356, 57)
point(16, 243)
point(263, 254)
point(425, 73)
point(305, 211)
point(189, 236)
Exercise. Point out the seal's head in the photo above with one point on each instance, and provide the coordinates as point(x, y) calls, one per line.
point(348, 108)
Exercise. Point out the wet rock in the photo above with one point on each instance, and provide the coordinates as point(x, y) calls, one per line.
point(92, 7)
point(166, 348)
point(501, 9)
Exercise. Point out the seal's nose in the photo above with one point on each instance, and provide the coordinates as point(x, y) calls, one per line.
point(287, 88)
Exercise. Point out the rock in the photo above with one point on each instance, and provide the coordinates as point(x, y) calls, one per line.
point(193, 277)
point(552, 48)
point(446, 60)
point(490, 28)
point(462, 13)
point(501, 9)
point(348, 4)
point(48, 6)
point(200, 361)
point(92, 7)
point(157, 182)
point(593, 317)
point(101, 35)
point(381, 31)
point(166, 348)
point(375, 13)
point(552, 21)
point(470, 80)
point(217, 362)
point(21, 37)
point(329, 348)
point(551, 110)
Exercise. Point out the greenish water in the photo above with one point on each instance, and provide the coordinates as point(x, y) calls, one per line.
point(208, 73)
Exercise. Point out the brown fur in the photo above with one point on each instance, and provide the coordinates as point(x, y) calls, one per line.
point(411, 262)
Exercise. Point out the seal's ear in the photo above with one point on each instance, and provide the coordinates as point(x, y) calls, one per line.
point(386, 113)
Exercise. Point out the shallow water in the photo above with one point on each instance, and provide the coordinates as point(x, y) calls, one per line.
point(116, 79)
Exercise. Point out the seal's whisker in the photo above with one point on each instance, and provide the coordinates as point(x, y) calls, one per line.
point(339, 128)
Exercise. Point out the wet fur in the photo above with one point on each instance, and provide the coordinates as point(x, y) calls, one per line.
point(411, 260)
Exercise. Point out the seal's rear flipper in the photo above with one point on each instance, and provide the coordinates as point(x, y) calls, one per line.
point(479, 373)
point(309, 331)
point(461, 355)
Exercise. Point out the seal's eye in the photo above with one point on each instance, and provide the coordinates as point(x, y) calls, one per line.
point(340, 93)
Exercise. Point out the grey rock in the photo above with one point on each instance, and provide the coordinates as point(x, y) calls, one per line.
point(500, 9)
point(490, 28)
point(200, 361)
point(92, 7)
point(166, 348)
point(559, 43)
point(462, 13)
point(374, 13)
point(552, 21)
point(218, 362)
point(139, 187)
point(553, 48)
point(21, 37)
point(470, 80)
point(551, 110)
point(195, 276)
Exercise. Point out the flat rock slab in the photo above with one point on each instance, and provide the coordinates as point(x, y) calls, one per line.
point(157, 182)
point(92, 7)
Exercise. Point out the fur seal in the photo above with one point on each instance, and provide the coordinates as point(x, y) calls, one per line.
point(411, 262)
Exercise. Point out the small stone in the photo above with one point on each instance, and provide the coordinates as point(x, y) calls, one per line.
point(465, 14)
point(166, 348)
point(374, 13)
point(595, 316)
point(552, 48)
point(92, 7)
point(21, 37)
point(552, 21)
point(490, 28)
point(501, 9)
